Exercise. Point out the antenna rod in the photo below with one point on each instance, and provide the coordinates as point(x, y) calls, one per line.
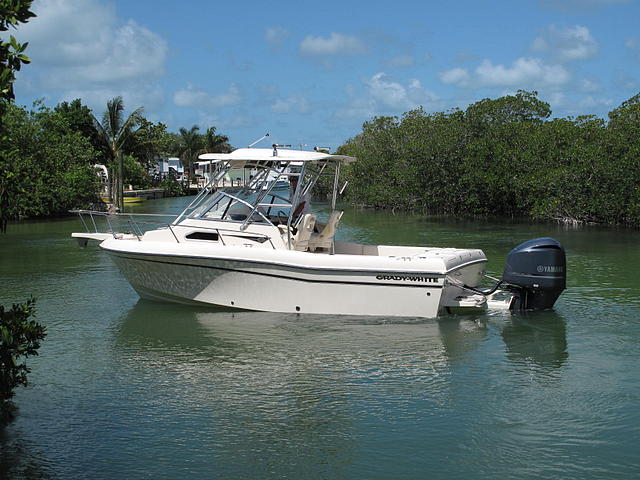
point(259, 140)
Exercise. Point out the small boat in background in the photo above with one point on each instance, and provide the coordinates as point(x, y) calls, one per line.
point(133, 199)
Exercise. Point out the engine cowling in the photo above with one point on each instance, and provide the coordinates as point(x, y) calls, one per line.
point(536, 271)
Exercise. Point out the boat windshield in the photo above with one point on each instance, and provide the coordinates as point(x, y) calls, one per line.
point(268, 188)
point(237, 205)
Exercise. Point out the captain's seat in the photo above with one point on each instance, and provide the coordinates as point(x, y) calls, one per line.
point(300, 240)
point(324, 239)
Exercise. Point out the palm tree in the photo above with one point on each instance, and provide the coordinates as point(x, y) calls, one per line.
point(190, 146)
point(213, 143)
point(115, 131)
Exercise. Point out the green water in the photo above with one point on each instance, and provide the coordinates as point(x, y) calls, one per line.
point(125, 388)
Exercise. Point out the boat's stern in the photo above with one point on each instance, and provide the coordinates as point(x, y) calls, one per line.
point(534, 276)
point(465, 270)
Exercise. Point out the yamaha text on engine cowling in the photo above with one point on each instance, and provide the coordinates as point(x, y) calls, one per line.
point(536, 271)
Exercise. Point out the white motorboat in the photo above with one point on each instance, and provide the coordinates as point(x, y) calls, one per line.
point(254, 247)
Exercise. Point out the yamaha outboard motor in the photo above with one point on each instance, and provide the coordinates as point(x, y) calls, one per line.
point(537, 272)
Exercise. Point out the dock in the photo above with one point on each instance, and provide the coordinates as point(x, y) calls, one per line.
point(150, 194)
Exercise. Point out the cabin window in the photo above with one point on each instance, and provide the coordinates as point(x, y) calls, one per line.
point(210, 236)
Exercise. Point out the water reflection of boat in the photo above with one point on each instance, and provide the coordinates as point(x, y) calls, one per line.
point(541, 340)
point(167, 328)
point(355, 345)
point(228, 244)
point(461, 334)
point(285, 386)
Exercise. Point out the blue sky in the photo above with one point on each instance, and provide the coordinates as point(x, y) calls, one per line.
point(310, 73)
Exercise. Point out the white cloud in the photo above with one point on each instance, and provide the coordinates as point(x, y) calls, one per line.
point(455, 76)
point(135, 53)
point(276, 36)
point(590, 102)
point(566, 44)
point(80, 43)
point(335, 44)
point(293, 103)
point(385, 96)
point(193, 96)
point(392, 94)
point(589, 86)
point(397, 96)
point(68, 33)
point(524, 72)
point(81, 49)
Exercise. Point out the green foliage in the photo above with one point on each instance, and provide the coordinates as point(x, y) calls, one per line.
point(190, 146)
point(172, 187)
point(149, 142)
point(80, 118)
point(522, 107)
point(12, 12)
point(47, 166)
point(47, 155)
point(501, 157)
point(135, 174)
point(12, 57)
point(214, 143)
point(190, 143)
point(20, 338)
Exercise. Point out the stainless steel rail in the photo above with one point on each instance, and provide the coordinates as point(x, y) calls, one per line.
point(136, 230)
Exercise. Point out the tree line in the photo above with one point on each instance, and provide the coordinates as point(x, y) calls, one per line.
point(49, 154)
point(503, 157)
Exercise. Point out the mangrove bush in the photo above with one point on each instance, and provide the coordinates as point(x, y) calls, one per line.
point(502, 157)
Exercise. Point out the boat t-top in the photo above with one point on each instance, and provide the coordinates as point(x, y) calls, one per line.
point(257, 246)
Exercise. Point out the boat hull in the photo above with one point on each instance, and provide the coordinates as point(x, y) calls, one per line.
point(133, 199)
point(258, 286)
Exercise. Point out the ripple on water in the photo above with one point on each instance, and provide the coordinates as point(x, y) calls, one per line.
point(127, 388)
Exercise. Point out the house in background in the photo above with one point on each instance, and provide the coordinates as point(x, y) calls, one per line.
point(168, 165)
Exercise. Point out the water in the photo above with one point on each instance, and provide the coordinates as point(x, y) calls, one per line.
point(125, 388)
